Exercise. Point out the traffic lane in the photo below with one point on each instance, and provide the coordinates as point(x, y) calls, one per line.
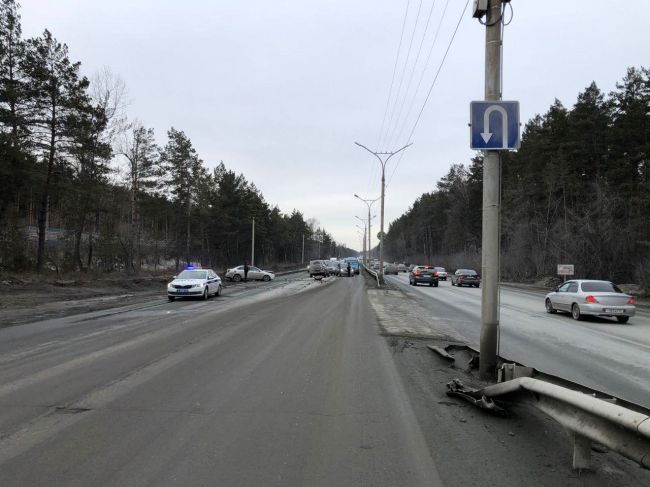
point(532, 303)
point(594, 354)
point(302, 391)
point(33, 357)
point(62, 310)
point(12, 337)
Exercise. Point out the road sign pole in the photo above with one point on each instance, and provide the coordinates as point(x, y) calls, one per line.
point(491, 202)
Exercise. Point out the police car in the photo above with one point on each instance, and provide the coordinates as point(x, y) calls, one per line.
point(194, 282)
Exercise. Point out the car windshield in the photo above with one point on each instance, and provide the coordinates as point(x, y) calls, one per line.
point(600, 287)
point(192, 275)
point(440, 269)
point(467, 272)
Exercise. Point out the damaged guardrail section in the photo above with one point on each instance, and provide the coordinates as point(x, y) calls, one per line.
point(588, 418)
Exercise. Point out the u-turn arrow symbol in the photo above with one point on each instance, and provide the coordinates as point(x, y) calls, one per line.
point(486, 134)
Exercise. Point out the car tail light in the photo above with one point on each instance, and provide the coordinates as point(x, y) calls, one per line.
point(631, 300)
point(435, 274)
point(461, 277)
point(417, 273)
point(591, 299)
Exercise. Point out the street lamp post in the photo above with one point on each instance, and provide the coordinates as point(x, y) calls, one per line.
point(366, 226)
point(383, 160)
point(369, 204)
point(365, 230)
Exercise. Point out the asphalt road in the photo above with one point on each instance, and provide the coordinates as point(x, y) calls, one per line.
point(285, 385)
point(599, 353)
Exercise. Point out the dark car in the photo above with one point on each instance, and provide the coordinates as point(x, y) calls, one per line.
point(465, 277)
point(318, 268)
point(423, 274)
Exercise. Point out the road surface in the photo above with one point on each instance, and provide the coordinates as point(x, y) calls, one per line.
point(230, 391)
point(599, 353)
point(290, 383)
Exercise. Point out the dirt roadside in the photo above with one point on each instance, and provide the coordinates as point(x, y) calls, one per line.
point(28, 298)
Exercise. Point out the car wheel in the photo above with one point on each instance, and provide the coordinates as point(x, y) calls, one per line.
point(236, 278)
point(476, 286)
point(549, 306)
point(218, 293)
point(206, 294)
point(575, 312)
point(435, 284)
point(452, 283)
point(623, 319)
point(171, 298)
point(311, 275)
point(266, 278)
point(431, 284)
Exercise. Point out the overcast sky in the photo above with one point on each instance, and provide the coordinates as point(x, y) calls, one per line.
point(280, 90)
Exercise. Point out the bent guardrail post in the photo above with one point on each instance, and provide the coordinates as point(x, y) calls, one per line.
point(588, 418)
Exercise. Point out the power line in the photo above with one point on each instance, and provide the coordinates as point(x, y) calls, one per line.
point(410, 80)
point(406, 61)
point(442, 62)
point(424, 71)
point(392, 83)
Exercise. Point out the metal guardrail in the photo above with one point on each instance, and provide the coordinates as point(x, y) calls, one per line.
point(589, 419)
point(372, 273)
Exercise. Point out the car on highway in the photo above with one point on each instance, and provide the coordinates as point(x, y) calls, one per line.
point(354, 262)
point(423, 274)
point(466, 277)
point(442, 273)
point(194, 282)
point(402, 268)
point(236, 274)
point(332, 266)
point(318, 268)
point(390, 269)
point(582, 297)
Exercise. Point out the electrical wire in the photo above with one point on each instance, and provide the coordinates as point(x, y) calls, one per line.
point(412, 74)
point(392, 82)
point(390, 90)
point(424, 71)
point(406, 61)
point(442, 62)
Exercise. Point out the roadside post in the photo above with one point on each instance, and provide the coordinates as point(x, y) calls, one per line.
point(494, 127)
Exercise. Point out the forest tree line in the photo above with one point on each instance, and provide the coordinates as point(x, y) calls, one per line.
point(82, 187)
point(576, 192)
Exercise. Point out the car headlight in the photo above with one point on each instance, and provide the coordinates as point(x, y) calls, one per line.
point(170, 286)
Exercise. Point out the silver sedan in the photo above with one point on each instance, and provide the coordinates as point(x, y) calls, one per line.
point(254, 274)
point(582, 297)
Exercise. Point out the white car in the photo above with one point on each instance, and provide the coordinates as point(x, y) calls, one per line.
point(236, 274)
point(194, 282)
point(442, 273)
point(589, 297)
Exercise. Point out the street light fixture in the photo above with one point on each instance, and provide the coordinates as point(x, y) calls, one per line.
point(383, 160)
point(369, 203)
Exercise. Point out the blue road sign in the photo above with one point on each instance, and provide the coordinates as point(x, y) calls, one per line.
point(494, 125)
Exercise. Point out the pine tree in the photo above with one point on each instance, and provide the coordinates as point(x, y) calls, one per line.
point(58, 97)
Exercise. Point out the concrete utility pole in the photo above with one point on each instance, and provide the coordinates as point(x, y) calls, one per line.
point(491, 202)
point(253, 245)
point(369, 204)
point(383, 161)
point(302, 257)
